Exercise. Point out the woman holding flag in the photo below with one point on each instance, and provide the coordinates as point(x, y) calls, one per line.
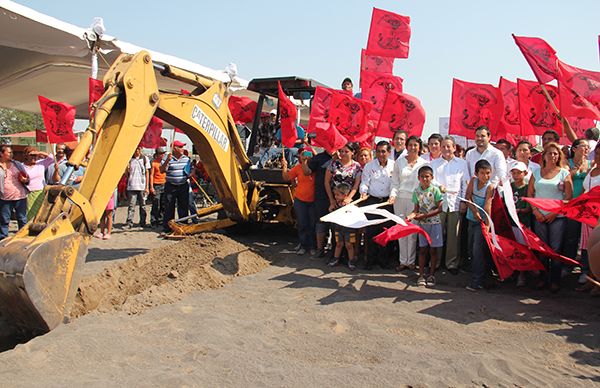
point(551, 182)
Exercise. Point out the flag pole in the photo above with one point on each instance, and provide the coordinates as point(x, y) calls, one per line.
point(173, 139)
point(50, 146)
point(551, 101)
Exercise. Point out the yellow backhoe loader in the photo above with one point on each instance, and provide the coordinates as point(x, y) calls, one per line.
point(40, 264)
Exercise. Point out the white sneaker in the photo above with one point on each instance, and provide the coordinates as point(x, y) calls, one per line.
point(301, 251)
point(297, 247)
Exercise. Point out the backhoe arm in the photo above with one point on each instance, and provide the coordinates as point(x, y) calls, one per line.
point(39, 266)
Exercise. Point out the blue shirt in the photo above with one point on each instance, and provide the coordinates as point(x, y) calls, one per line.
point(478, 199)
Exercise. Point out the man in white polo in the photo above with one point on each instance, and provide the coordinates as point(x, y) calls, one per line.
point(484, 150)
point(452, 176)
point(375, 186)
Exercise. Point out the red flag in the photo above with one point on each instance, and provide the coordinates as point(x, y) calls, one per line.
point(509, 255)
point(288, 114)
point(329, 137)
point(96, 90)
point(398, 231)
point(585, 208)
point(41, 136)
point(374, 87)
point(376, 63)
point(242, 109)
point(152, 135)
point(579, 92)
point(58, 120)
point(510, 123)
point(536, 112)
point(536, 244)
point(389, 34)
point(369, 141)
point(500, 217)
point(319, 108)
point(185, 92)
point(401, 111)
point(473, 105)
point(540, 56)
point(350, 116)
point(379, 81)
point(578, 125)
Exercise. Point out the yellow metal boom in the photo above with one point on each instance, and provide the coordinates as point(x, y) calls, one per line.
point(39, 265)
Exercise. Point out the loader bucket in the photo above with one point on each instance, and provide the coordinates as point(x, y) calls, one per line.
point(38, 276)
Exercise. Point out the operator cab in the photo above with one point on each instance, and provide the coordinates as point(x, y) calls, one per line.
point(264, 123)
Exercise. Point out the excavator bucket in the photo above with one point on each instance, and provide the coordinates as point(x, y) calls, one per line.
point(38, 276)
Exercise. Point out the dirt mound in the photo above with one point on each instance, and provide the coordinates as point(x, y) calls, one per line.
point(165, 274)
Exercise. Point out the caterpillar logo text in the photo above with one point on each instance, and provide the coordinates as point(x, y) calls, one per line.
point(210, 127)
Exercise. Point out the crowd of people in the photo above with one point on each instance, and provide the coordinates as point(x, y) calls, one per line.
point(167, 183)
point(425, 184)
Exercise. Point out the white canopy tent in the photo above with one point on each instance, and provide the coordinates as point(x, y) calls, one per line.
point(41, 55)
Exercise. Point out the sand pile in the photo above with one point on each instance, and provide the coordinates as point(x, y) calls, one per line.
point(165, 274)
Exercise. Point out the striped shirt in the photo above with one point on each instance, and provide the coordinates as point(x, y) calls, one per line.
point(178, 170)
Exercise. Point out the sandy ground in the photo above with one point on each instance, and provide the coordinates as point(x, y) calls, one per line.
point(215, 311)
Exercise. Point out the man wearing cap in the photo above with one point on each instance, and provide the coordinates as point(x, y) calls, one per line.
point(347, 85)
point(137, 186)
point(157, 188)
point(177, 168)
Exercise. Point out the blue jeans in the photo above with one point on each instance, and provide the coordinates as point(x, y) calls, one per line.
point(480, 255)
point(305, 218)
point(6, 207)
point(552, 234)
point(176, 195)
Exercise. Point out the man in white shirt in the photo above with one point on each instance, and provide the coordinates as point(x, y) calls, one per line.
point(375, 186)
point(484, 150)
point(434, 144)
point(452, 176)
point(507, 150)
point(137, 186)
point(399, 144)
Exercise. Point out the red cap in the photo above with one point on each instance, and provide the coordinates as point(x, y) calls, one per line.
point(178, 143)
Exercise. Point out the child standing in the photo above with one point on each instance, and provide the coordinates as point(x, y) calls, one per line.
point(344, 237)
point(428, 205)
point(480, 192)
point(519, 188)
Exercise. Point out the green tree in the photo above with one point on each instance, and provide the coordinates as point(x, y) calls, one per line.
point(15, 121)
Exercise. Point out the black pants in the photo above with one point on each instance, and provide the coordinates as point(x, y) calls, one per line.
point(176, 195)
point(376, 253)
point(158, 205)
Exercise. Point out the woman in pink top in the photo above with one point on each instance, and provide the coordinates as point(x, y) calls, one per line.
point(13, 190)
point(36, 163)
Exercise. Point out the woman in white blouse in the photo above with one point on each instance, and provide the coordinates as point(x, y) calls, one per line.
point(404, 182)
